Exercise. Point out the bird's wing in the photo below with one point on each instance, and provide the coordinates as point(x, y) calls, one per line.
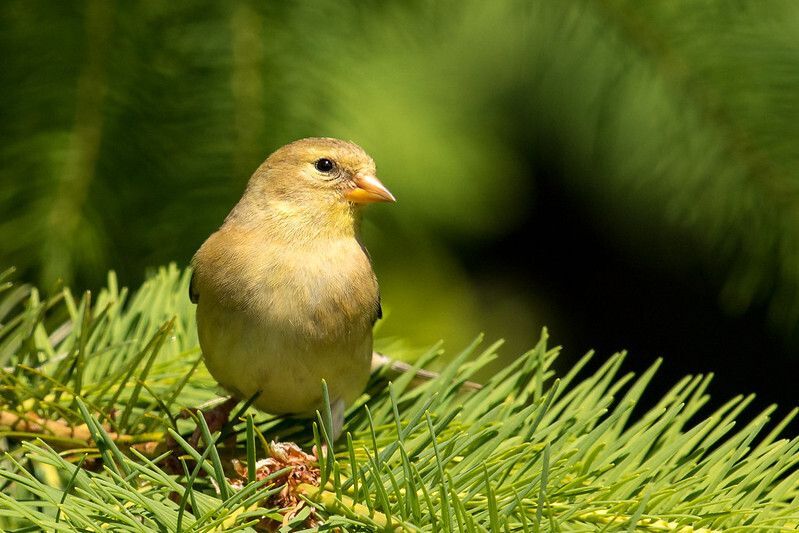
point(194, 295)
point(379, 306)
point(379, 314)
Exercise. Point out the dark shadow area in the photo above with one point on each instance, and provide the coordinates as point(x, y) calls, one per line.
point(608, 303)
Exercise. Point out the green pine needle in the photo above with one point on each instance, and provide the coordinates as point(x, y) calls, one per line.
point(529, 451)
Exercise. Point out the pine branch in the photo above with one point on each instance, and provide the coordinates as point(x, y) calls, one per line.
point(66, 436)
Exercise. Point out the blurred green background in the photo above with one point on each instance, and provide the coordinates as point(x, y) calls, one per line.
point(624, 172)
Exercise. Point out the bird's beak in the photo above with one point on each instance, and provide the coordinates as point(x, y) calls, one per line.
point(368, 189)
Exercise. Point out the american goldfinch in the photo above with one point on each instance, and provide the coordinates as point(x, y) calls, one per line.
point(285, 291)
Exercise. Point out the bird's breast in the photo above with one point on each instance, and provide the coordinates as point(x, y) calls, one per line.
point(319, 300)
point(279, 319)
point(317, 293)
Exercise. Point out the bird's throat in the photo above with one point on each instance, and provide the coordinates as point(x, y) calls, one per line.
point(295, 222)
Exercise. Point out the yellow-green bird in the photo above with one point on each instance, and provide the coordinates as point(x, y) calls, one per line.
point(285, 291)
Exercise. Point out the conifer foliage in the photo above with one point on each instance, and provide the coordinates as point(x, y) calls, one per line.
point(95, 436)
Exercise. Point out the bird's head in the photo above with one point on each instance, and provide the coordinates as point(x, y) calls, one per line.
point(317, 180)
point(324, 167)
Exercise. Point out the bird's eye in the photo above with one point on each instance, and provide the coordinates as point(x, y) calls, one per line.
point(324, 165)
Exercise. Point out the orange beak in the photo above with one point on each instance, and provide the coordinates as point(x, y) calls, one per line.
point(368, 189)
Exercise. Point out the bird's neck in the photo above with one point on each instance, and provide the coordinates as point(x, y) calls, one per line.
point(297, 222)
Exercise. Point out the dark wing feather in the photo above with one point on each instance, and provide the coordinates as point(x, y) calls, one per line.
point(379, 309)
point(194, 296)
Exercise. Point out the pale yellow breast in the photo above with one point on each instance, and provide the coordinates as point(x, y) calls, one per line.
point(279, 318)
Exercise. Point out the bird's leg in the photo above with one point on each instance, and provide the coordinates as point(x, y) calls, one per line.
point(337, 409)
point(216, 418)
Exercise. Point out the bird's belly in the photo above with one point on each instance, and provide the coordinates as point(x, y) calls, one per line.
point(258, 352)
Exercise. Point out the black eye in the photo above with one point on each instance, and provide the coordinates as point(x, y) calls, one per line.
point(324, 165)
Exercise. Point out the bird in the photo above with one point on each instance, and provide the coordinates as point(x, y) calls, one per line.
point(285, 290)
